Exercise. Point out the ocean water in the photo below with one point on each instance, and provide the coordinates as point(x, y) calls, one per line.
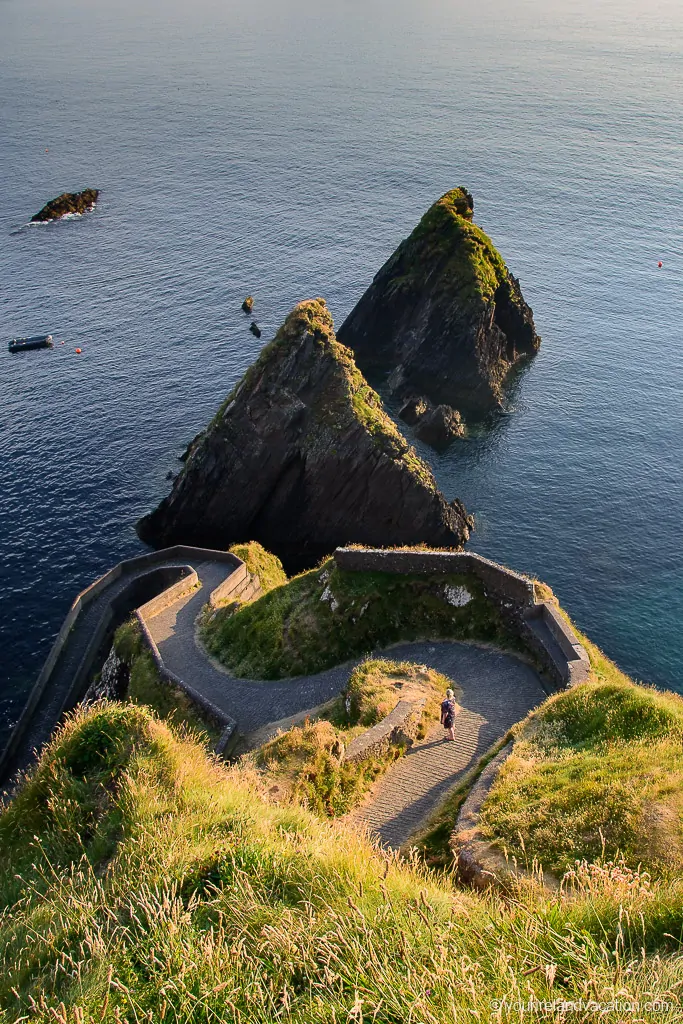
point(283, 149)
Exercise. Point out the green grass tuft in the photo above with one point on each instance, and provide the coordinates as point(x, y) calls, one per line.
point(261, 563)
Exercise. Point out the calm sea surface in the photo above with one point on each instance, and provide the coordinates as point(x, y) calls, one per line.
point(283, 148)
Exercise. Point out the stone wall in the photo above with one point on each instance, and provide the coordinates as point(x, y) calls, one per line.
point(399, 727)
point(538, 624)
point(508, 585)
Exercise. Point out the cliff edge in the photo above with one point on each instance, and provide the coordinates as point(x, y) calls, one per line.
point(303, 458)
point(444, 316)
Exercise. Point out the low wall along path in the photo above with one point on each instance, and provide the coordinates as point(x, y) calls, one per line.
point(497, 689)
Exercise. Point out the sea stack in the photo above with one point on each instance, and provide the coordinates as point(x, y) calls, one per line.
point(68, 202)
point(303, 458)
point(444, 317)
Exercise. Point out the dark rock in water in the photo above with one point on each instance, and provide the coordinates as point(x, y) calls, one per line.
point(435, 426)
point(413, 409)
point(248, 304)
point(438, 427)
point(69, 202)
point(302, 457)
point(444, 316)
point(255, 329)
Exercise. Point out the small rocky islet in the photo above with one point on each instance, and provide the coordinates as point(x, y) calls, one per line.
point(302, 458)
point(444, 320)
point(67, 203)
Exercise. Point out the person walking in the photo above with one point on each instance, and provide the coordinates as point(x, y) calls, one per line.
point(449, 709)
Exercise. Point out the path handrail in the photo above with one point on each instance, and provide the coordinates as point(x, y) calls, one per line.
point(131, 567)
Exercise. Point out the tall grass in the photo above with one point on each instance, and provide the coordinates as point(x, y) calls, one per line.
point(208, 904)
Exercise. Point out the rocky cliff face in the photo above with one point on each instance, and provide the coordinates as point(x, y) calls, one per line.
point(444, 316)
point(68, 202)
point(302, 458)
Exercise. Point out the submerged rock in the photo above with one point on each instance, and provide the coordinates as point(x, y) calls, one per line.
point(68, 202)
point(439, 426)
point(444, 317)
point(302, 458)
point(255, 329)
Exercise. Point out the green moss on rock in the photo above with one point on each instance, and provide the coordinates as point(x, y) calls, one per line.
point(302, 457)
point(444, 317)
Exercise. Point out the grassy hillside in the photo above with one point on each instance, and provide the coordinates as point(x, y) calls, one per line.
point(326, 616)
point(140, 880)
point(595, 771)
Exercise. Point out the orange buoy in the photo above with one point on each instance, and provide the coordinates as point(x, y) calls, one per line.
point(78, 351)
point(660, 264)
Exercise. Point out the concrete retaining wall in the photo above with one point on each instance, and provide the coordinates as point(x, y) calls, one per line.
point(139, 568)
point(539, 624)
point(227, 724)
point(557, 645)
point(400, 726)
point(169, 596)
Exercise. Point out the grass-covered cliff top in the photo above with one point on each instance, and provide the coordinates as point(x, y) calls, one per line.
point(140, 880)
point(596, 771)
point(447, 237)
point(327, 616)
point(342, 397)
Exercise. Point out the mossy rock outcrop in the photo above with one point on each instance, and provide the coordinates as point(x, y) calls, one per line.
point(444, 317)
point(302, 458)
point(68, 202)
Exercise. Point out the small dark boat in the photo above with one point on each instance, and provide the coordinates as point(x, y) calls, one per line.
point(27, 344)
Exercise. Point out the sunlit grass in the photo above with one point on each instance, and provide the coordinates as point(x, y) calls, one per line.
point(208, 903)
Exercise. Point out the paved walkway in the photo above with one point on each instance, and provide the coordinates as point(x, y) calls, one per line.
point(497, 691)
point(250, 702)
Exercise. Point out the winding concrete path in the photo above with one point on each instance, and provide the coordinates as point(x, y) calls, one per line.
point(497, 691)
point(250, 702)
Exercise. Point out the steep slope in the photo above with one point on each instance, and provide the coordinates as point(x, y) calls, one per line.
point(302, 457)
point(141, 880)
point(444, 316)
